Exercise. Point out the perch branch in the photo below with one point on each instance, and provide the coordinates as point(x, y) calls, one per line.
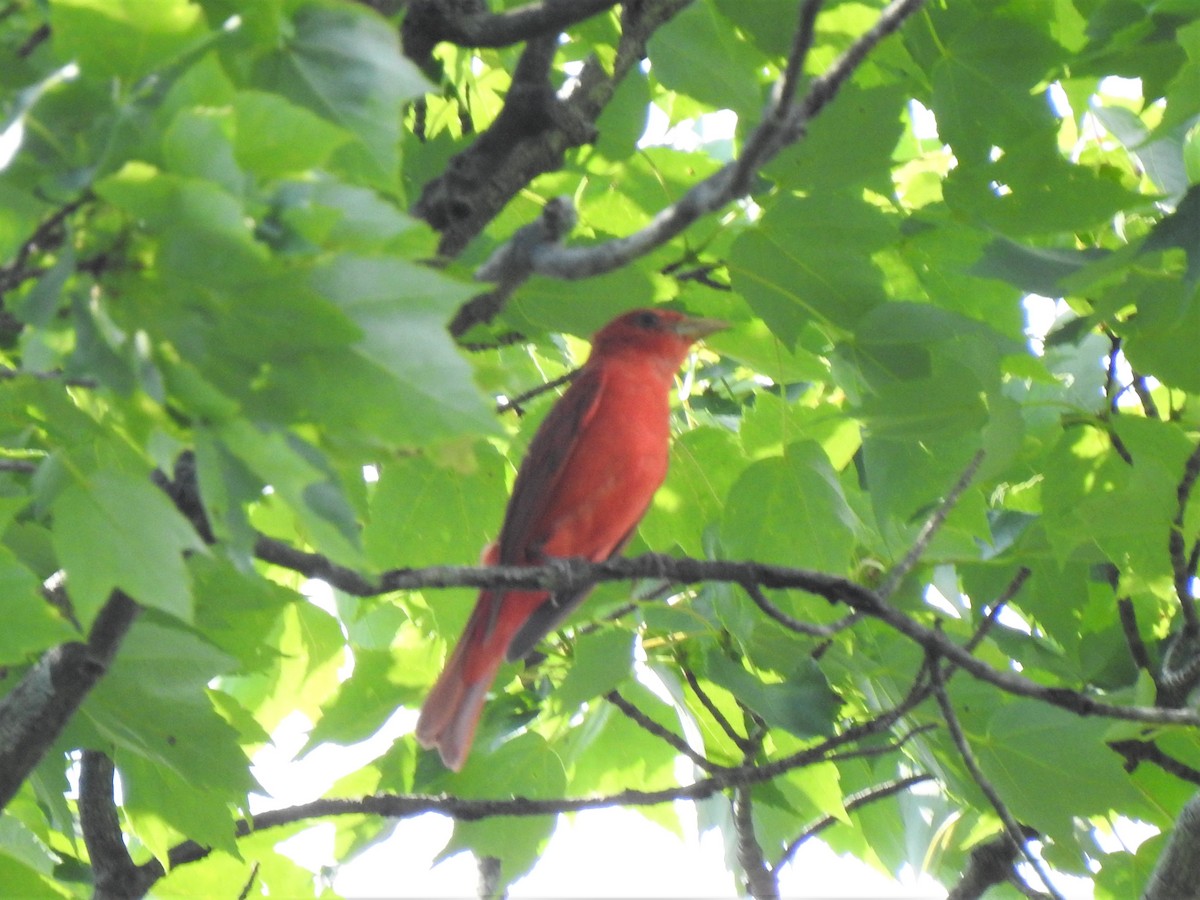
point(1016, 834)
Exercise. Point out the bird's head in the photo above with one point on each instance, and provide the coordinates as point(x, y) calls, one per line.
point(664, 334)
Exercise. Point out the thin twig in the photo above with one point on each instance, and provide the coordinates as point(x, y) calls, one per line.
point(998, 605)
point(931, 527)
point(853, 802)
point(1149, 407)
point(892, 747)
point(1016, 833)
point(755, 593)
point(707, 702)
point(514, 404)
point(1184, 567)
point(659, 731)
point(1133, 637)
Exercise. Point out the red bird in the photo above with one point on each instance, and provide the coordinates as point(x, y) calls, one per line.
point(589, 476)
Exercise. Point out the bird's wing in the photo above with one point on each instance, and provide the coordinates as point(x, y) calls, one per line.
point(552, 613)
point(549, 455)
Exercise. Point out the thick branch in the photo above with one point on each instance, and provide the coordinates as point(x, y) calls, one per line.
point(530, 136)
point(761, 881)
point(116, 875)
point(1177, 873)
point(988, 864)
point(732, 181)
point(34, 714)
point(429, 22)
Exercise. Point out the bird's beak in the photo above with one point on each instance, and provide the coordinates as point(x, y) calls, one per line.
point(693, 328)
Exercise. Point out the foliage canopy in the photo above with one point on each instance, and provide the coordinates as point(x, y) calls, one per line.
point(242, 347)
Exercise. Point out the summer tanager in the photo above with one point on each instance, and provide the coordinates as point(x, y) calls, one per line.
point(587, 480)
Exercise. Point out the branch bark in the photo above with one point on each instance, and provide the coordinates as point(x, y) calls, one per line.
point(565, 575)
point(34, 713)
point(1176, 876)
point(532, 132)
point(116, 875)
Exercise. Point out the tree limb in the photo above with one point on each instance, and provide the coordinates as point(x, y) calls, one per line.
point(733, 180)
point(1177, 873)
point(1015, 832)
point(761, 882)
point(571, 574)
point(428, 23)
point(530, 135)
point(35, 712)
point(116, 875)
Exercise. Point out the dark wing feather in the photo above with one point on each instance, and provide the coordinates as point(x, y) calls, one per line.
point(547, 459)
point(547, 617)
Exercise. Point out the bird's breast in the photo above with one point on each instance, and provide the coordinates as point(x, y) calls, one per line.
point(621, 461)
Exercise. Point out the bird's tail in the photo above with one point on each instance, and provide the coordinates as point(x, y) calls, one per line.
point(451, 711)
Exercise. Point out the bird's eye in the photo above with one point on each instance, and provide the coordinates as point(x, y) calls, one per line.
point(648, 319)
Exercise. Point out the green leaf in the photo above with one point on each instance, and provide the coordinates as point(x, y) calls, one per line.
point(401, 310)
point(849, 144)
point(124, 38)
point(802, 704)
point(381, 683)
point(523, 766)
point(198, 144)
point(193, 812)
point(301, 477)
point(275, 137)
point(423, 513)
point(809, 261)
point(119, 532)
point(1157, 338)
point(602, 660)
point(21, 881)
point(344, 63)
point(623, 120)
point(1036, 269)
point(704, 463)
point(31, 623)
point(1050, 766)
point(699, 32)
point(791, 511)
point(154, 703)
point(1180, 229)
point(982, 85)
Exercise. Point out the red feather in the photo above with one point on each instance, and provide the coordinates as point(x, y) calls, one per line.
point(587, 480)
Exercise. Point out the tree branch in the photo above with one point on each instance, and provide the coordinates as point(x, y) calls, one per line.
point(35, 712)
point(1016, 833)
point(468, 810)
point(529, 138)
point(647, 724)
point(853, 802)
point(931, 527)
point(572, 574)
point(116, 876)
point(761, 881)
point(1181, 564)
point(1178, 869)
point(733, 180)
point(428, 23)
